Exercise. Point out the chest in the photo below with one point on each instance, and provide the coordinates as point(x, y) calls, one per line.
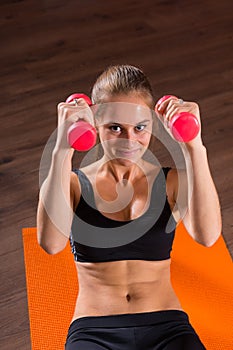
point(148, 237)
point(124, 200)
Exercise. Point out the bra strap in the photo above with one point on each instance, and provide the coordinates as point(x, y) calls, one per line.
point(166, 170)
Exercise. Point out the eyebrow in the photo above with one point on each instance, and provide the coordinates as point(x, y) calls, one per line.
point(141, 122)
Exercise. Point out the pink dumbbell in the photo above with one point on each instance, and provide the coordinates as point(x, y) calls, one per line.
point(184, 126)
point(81, 135)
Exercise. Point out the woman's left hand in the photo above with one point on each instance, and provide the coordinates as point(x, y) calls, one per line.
point(173, 105)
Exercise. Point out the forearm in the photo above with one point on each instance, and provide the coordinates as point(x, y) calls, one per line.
point(203, 203)
point(54, 215)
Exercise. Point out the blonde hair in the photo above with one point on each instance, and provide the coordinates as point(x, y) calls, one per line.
point(122, 79)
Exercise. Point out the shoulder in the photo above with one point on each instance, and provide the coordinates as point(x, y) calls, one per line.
point(176, 188)
point(74, 178)
point(175, 178)
point(171, 183)
point(75, 189)
point(78, 177)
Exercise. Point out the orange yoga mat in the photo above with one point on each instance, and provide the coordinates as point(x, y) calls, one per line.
point(202, 278)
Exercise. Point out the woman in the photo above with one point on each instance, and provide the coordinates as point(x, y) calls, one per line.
point(125, 299)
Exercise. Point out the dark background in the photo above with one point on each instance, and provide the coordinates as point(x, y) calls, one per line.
point(52, 48)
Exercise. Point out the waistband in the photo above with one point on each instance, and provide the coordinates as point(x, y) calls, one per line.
point(129, 320)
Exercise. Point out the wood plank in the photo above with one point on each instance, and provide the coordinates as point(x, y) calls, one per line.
point(50, 49)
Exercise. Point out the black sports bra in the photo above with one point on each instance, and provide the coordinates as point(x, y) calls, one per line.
point(96, 238)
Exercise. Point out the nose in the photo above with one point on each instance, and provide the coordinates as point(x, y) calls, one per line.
point(129, 134)
point(129, 138)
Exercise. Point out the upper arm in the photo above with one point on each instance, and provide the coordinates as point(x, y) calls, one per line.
point(75, 191)
point(172, 186)
point(177, 193)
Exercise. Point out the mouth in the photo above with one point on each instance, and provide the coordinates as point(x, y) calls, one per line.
point(127, 153)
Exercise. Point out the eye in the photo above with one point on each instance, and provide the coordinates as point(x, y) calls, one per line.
point(140, 127)
point(115, 128)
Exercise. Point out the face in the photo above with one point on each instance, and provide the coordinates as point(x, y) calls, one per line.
point(124, 124)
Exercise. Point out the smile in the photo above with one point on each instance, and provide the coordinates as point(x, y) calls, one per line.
point(127, 153)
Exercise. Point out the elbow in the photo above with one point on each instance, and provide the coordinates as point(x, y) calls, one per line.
point(207, 235)
point(208, 242)
point(49, 247)
point(214, 235)
point(49, 250)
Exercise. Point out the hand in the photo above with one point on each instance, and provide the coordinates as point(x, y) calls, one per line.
point(171, 106)
point(69, 113)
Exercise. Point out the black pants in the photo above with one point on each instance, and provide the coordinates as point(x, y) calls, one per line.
point(158, 330)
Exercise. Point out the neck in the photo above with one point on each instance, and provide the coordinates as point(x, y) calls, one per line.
point(120, 171)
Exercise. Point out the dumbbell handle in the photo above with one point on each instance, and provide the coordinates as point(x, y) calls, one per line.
point(81, 135)
point(184, 126)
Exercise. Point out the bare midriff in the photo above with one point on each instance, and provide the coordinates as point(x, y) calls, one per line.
point(126, 286)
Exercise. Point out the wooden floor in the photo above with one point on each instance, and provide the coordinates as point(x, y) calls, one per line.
point(52, 48)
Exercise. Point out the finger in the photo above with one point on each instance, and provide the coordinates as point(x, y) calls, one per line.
point(66, 106)
point(80, 102)
point(175, 107)
point(83, 111)
point(72, 106)
point(75, 110)
point(164, 105)
point(76, 102)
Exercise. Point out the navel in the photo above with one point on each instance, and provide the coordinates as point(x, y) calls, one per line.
point(128, 297)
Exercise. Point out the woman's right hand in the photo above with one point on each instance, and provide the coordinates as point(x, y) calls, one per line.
point(69, 113)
